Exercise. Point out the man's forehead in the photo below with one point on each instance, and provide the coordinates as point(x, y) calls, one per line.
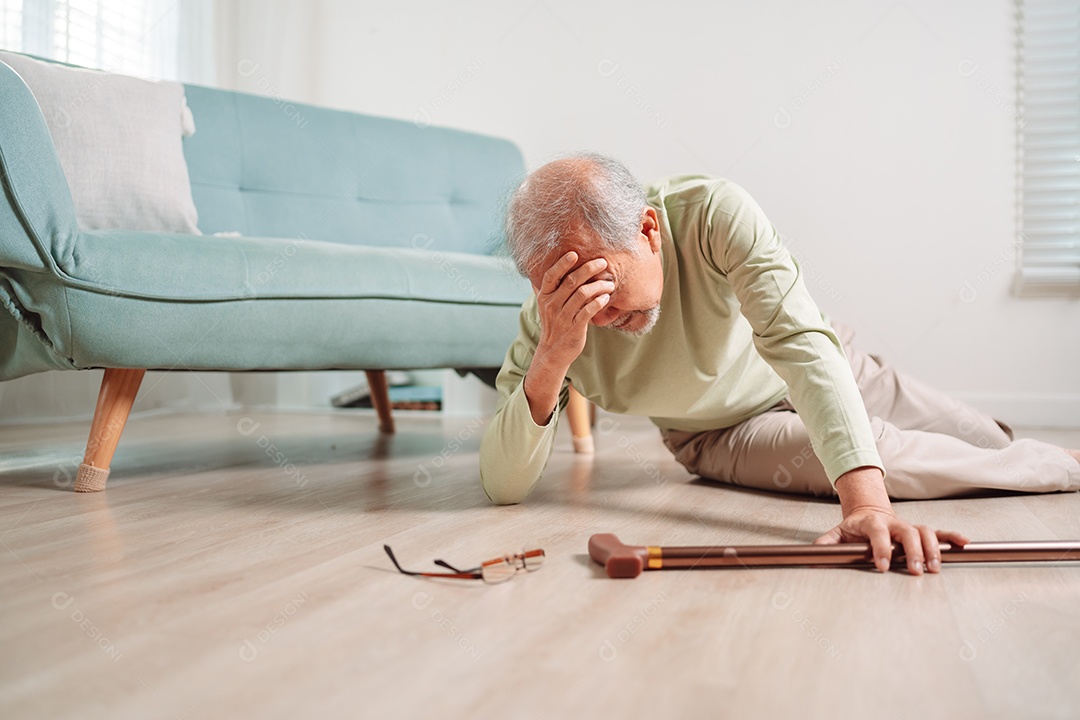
point(585, 250)
point(553, 257)
point(583, 256)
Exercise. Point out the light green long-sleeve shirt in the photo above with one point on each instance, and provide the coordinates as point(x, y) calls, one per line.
point(737, 332)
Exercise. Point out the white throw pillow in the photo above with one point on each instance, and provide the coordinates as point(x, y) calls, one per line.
point(119, 139)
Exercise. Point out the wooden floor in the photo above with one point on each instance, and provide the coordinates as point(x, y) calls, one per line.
point(234, 569)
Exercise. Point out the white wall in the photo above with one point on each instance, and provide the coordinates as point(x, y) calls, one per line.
point(877, 135)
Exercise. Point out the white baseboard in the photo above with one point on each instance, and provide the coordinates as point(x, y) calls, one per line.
point(1028, 411)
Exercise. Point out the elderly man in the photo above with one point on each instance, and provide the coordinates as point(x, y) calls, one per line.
point(679, 302)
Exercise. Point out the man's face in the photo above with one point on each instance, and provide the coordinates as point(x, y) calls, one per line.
point(638, 278)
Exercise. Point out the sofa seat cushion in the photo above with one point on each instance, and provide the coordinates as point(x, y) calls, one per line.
point(206, 268)
point(165, 301)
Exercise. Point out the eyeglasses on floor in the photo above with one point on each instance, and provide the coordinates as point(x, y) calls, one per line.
point(492, 571)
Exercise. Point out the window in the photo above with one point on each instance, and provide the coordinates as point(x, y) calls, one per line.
point(1048, 79)
point(11, 24)
point(134, 37)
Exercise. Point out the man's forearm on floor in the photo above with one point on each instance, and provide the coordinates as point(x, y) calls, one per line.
point(515, 449)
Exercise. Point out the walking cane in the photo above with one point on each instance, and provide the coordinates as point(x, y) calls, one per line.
point(627, 561)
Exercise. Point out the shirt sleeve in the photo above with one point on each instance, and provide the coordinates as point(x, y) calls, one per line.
point(790, 332)
point(514, 449)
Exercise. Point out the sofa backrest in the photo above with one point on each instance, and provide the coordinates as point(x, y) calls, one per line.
point(265, 167)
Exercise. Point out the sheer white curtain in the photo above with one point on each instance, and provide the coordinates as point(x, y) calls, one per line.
point(196, 37)
point(1049, 80)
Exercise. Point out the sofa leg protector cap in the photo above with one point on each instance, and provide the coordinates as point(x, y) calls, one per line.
point(584, 445)
point(91, 479)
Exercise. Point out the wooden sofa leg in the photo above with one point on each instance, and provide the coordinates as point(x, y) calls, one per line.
point(118, 390)
point(380, 398)
point(577, 412)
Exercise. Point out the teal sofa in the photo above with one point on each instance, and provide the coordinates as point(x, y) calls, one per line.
point(364, 243)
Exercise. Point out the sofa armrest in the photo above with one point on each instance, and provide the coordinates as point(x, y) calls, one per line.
point(37, 215)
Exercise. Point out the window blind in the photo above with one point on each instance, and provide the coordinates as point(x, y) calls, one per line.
point(1048, 80)
point(134, 37)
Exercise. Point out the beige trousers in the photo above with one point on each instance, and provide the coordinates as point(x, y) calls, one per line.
point(932, 446)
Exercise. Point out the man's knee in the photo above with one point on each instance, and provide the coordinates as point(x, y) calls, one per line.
point(685, 447)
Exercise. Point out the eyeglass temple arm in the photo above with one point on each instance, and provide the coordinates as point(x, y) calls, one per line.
point(463, 574)
point(447, 565)
point(394, 560)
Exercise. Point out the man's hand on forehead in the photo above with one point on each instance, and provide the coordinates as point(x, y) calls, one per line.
point(576, 268)
point(568, 297)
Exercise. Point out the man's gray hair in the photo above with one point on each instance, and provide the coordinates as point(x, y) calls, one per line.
point(587, 192)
